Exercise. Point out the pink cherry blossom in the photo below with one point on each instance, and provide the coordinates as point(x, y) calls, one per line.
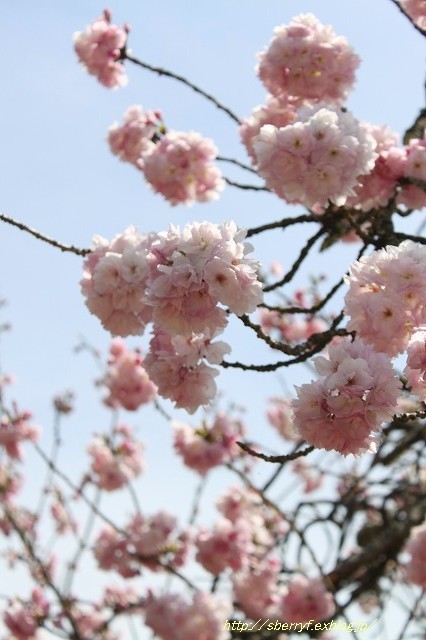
point(117, 461)
point(190, 272)
point(256, 588)
point(306, 599)
point(411, 196)
point(99, 49)
point(90, 623)
point(280, 416)
point(177, 377)
point(134, 138)
point(146, 541)
point(127, 381)
point(170, 616)
point(375, 189)
point(317, 159)
point(122, 598)
point(311, 476)
point(180, 167)
point(415, 568)
point(385, 301)
point(112, 554)
point(415, 370)
point(209, 445)
point(267, 525)
point(10, 483)
point(228, 545)
point(290, 328)
point(114, 281)
point(357, 391)
point(308, 61)
point(15, 429)
point(64, 522)
point(416, 10)
point(24, 618)
point(278, 112)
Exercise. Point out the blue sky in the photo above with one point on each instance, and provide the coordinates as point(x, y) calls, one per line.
point(58, 176)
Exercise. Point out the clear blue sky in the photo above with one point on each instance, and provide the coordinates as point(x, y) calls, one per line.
point(58, 176)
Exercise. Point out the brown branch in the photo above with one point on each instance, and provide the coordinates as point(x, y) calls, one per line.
point(246, 187)
point(125, 55)
point(419, 29)
point(279, 459)
point(40, 236)
point(282, 224)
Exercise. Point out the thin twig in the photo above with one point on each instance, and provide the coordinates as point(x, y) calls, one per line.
point(279, 459)
point(246, 187)
point(238, 163)
point(40, 236)
point(169, 74)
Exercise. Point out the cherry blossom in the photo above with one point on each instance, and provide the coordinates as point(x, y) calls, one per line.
point(180, 167)
point(116, 462)
point(412, 196)
point(416, 10)
point(185, 379)
point(306, 599)
point(133, 139)
point(170, 616)
point(114, 280)
point(256, 588)
point(357, 391)
point(24, 618)
point(99, 50)
point(415, 568)
point(308, 61)
point(385, 300)
point(375, 189)
point(278, 112)
point(209, 445)
point(280, 416)
point(316, 160)
point(228, 545)
point(415, 370)
point(127, 381)
point(15, 429)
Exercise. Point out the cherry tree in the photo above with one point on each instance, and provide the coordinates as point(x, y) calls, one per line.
point(320, 531)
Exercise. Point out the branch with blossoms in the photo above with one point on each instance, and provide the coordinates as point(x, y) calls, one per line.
point(340, 522)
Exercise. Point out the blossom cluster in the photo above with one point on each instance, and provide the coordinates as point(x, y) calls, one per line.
point(357, 391)
point(280, 416)
point(15, 429)
point(309, 71)
point(23, 619)
point(208, 446)
point(126, 379)
point(177, 164)
point(415, 369)
point(296, 327)
point(99, 49)
point(247, 530)
point(171, 616)
point(133, 139)
point(308, 61)
point(393, 166)
point(177, 279)
point(316, 160)
point(144, 542)
point(117, 460)
point(258, 592)
point(415, 568)
point(385, 300)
